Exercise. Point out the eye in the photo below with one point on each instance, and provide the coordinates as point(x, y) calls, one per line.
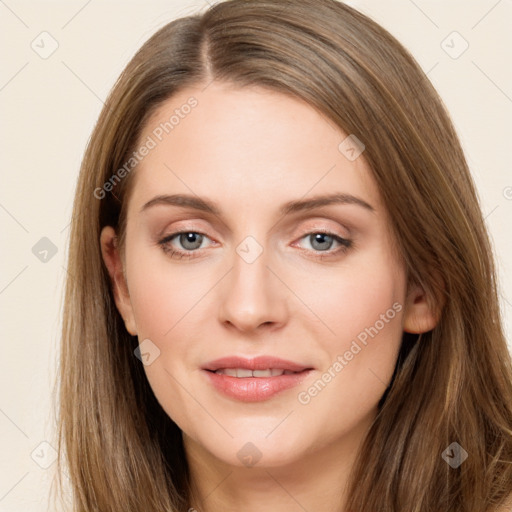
point(322, 242)
point(190, 241)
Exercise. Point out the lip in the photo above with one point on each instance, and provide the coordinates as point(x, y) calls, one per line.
point(256, 363)
point(254, 389)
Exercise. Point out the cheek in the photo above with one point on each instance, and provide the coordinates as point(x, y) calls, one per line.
point(360, 309)
point(349, 299)
point(166, 304)
point(157, 303)
point(366, 317)
point(161, 293)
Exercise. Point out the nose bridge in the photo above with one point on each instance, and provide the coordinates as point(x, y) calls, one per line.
point(252, 294)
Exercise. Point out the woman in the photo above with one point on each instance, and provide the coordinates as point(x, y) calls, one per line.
point(216, 355)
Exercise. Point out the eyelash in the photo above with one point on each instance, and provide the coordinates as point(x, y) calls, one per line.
point(345, 245)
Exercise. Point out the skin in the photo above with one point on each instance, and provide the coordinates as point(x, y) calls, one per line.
point(250, 150)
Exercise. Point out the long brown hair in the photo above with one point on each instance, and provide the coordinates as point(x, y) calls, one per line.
point(121, 450)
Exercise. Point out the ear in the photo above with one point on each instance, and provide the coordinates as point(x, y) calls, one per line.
point(419, 315)
point(114, 264)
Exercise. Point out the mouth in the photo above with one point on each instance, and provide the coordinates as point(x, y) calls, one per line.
point(260, 363)
point(244, 373)
point(254, 380)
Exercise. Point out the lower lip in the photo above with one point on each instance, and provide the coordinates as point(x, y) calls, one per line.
point(255, 389)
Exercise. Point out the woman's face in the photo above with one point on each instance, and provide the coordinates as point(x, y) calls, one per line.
point(269, 274)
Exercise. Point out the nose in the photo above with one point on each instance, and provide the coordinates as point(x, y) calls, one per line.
point(253, 296)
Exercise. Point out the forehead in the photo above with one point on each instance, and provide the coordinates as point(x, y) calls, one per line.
point(246, 145)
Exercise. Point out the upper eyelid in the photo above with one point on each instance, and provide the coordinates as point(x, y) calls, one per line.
point(344, 230)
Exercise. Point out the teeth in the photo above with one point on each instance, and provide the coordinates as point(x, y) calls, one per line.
point(244, 373)
point(266, 373)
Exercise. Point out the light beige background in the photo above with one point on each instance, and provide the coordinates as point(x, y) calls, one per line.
point(49, 106)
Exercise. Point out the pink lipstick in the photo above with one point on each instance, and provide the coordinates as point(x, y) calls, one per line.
point(254, 380)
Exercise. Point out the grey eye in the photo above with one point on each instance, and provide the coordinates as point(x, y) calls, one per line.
point(321, 241)
point(191, 240)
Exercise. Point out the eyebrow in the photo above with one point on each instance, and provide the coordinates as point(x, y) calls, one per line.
point(206, 205)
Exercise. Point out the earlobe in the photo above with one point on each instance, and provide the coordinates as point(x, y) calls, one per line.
point(419, 316)
point(112, 260)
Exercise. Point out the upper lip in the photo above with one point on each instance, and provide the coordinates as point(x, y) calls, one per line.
point(256, 363)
